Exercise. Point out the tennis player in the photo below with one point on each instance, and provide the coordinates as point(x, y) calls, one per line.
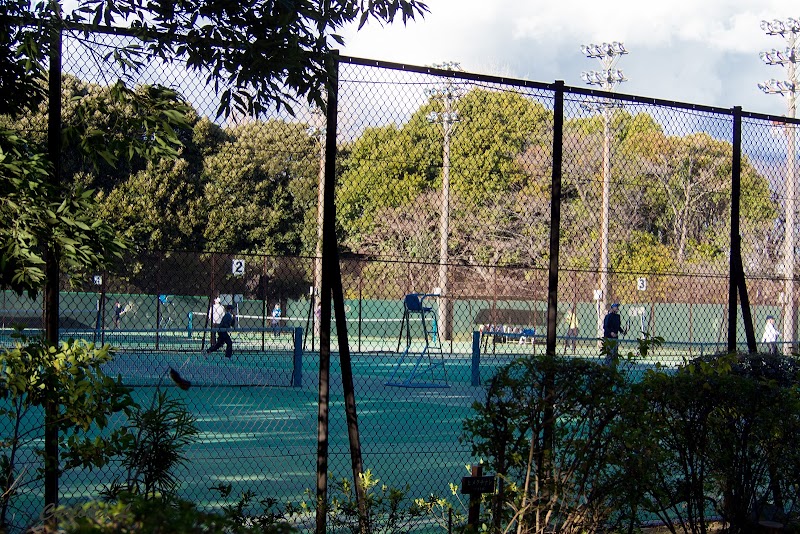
point(223, 337)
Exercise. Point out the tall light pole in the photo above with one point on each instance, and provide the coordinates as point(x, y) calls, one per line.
point(448, 94)
point(789, 30)
point(608, 54)
point(317, 130)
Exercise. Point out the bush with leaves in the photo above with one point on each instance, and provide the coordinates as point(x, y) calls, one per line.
point(387, 511)
point(71, 378)
point(717, 438)
point(447, 513)
point(137, 515)
point(159, 433)
point(546, 428)
point(271, 517)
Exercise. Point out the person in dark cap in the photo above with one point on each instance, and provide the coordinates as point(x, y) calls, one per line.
point(612, 326)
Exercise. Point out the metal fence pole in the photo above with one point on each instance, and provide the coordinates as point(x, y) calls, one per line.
point(555, 217)
point(736, 268)
point(51, 288)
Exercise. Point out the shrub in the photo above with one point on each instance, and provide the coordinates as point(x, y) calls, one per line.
point(70, 378)
point(547, 430)
point(135, 514)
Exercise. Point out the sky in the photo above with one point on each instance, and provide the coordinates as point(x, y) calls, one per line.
point(696, 51)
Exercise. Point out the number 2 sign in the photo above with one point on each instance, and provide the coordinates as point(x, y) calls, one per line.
point(237, 267)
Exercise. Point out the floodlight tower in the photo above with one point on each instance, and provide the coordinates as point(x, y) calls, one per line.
point(448, 94)
point(789, 29)
point(608, 78)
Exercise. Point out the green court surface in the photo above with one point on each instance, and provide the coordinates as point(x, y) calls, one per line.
point(264, 438)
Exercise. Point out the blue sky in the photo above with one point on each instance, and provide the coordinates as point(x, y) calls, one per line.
point(699, 51)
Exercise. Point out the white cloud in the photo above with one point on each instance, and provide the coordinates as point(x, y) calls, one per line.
point(705, 51)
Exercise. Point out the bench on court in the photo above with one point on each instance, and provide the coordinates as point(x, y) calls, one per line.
point(510, 325)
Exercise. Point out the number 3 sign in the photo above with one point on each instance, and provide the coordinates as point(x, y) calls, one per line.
point(237, 267)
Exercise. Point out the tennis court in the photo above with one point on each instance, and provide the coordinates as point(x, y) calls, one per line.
point(264, 438)
point(257, 413)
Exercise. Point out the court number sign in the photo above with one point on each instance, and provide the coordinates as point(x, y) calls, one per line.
point(641, 283)
point(237, 267)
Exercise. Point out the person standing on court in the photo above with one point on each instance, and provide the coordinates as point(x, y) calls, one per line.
point(216, 314)
point(275, 321)
point(770, 336)
point(119, 310)
point(571, 318)
point(223, 337)
point(612, 326)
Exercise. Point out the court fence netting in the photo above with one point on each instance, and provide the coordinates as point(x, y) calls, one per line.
point(663, 252)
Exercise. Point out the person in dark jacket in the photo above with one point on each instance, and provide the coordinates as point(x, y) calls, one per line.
point(612, 326)
point(223, 337)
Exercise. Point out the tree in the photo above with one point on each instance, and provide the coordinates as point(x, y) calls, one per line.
point(36, 217)
point(694, 186)
point(103, 128)
point(21, 70)
point(264, 55)
point(71, 376)
point(394, 172)
point(259, 186)
point(158, 208)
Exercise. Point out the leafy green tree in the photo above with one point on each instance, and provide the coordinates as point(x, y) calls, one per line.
point(263, 55)
point(642, 254)
point(495, 128)
point(159, 208)
point(108, 131)
point(250, 188)
point(103, 127)
point(37, 217)
point(71, 377)
point(21, 70)
point(259, 186)
point(391, 172)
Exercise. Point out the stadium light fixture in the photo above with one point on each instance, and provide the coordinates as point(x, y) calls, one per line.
point(447, 94)
point(608, 78)
point(789, 30)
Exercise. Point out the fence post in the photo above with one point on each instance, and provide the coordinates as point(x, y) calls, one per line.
point(555, 218)
point(297, 358)
point(474, 486)
point(51, 288)
point(736, 269)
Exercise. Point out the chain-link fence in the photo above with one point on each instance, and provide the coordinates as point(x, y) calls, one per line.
point(443, 198)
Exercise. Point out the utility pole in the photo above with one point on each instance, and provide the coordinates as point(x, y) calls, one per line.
point(448, 95)
point(789, 30)
point(608, 54)
point(317, 130)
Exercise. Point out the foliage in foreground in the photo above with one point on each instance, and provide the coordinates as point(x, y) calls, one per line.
point(70, 377)
point(389, 509)
point(577, 448)
point(547, 431)
point(159, 434)
point(131, 514)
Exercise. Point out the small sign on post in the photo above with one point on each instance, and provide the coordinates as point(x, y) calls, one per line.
point(641, 283)
point(237, 267)
point(475, 486)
